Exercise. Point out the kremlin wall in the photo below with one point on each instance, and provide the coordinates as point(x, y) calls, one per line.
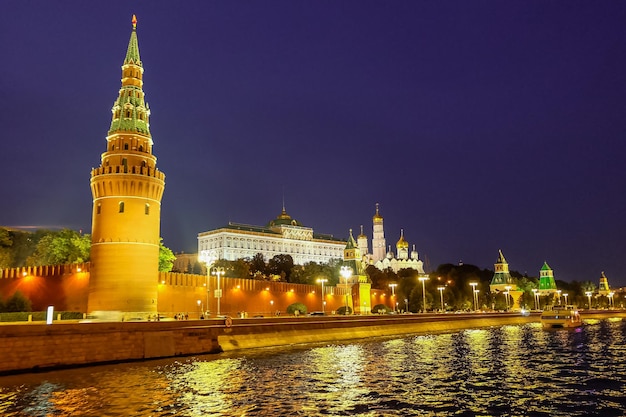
point(66, 287)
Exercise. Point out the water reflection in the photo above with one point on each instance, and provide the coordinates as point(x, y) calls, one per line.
point(508, 370)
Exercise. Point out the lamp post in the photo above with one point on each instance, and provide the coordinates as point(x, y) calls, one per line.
point(393, 293)
point(406, 303)
point(535, 297)
point(558, 293)
point(199, 302)
point(208, 261)
point(473, 285)
point(565, 295)
point(423, 279)
point(346, 273)
point(506, 294)
point(441, 296)
point(218, 271)
point(476, 298)
point(322, 281)
point(588, 294)
point(611, 299)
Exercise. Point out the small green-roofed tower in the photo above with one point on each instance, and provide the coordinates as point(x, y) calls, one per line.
point(604, 288)
point(547, 285)
point(501, 277)
point(352, 256)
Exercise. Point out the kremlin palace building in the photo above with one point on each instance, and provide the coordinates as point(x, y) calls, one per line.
point(287, 236)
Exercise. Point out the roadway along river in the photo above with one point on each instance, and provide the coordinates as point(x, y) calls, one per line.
point(516, 370)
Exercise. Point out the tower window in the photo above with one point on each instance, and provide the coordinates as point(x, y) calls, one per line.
point(147, 209)
point(98, 209)
point(126, 146)
point(121, 209)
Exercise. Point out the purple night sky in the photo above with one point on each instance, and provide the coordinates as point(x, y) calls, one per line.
point(477, 125)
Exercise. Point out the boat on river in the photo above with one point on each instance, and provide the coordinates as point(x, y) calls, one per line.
point(566, 316)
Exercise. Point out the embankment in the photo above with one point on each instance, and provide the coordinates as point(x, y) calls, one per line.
point(33, 347)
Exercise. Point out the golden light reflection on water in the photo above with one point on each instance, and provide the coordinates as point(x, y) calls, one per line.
point(508, 370)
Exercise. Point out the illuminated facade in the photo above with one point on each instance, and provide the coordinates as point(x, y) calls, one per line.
point(401, 260)
point(282, 236)
point(127, 189)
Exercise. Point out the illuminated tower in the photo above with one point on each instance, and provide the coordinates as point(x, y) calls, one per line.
point(547, 285)
point(352, 256)
point(378, 237)
point(362, 243)
point(127, 190)
point(604, 288)
point(501, 277)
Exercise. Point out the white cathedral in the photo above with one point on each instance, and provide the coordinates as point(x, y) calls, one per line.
point(382, 260)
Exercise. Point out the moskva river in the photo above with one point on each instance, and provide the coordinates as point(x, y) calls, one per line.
point(501, 371)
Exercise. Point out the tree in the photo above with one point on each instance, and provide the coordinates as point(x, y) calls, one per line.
point(281, 265)
point(57, 248)
point(258, 266)
point(17, 303)
point(166, 257)
point(6, 255)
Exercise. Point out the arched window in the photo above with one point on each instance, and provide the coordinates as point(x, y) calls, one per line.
point(121, 205)
point(147, 209)
point(126, 146)
point(98, 209)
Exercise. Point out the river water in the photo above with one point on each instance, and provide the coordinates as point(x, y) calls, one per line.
point(500, 371)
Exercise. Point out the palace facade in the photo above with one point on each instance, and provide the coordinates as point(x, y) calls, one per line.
point(281, 236)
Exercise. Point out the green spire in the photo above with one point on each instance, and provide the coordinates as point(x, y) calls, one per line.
point(132, 54)
point(130, 111)
point(351, 242)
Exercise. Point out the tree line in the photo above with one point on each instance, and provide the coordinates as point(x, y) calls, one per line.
point(49, 247)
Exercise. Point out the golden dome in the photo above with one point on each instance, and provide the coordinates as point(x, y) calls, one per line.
point(402, 243)
point(377, 217)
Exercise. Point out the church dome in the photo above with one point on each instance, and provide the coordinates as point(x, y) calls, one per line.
point(284, 219)
point(402, 243)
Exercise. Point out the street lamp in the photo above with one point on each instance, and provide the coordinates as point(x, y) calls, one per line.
point(346, 273)
point(588, 294)
point(322, 281)
point(565, 295)
point(406, 303)
point(441, 296)
point(423, 278)
point(208, 261)
point(535, 296)
point(506, 299)
point(476, 298)
point(218, 271)
point(558, 293)
point(473, 285)
point(393, 292)
point(199, 302)
point(611, 299)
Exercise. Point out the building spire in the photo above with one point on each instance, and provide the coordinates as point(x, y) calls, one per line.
point(132, 53)
point(131, 113)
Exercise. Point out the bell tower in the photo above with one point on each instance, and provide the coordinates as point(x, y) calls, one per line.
point(127, 189)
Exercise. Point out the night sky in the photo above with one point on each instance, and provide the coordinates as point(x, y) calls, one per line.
point(477, 125)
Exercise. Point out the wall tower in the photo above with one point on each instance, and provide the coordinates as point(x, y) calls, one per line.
point(127, 189)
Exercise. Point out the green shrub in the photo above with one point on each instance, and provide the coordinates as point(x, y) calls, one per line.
point(380, 309)
point(342, 310)
point(17, 303)
point(299, 307)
